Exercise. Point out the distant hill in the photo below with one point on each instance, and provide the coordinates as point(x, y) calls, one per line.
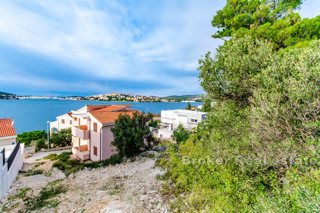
point(5, 95)
point(184, 97)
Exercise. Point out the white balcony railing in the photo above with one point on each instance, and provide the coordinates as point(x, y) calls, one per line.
point(81, 132)
point(80, 153)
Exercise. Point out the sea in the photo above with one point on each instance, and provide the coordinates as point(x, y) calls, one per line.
point(33, 114)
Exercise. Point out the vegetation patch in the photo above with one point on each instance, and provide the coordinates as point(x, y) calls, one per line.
point(132, 134)
point(21, 194)
point(113, 186)
point(34, 138)
point(61, 138)
point(46, 197)
point(51, 157)
point(259, 148)
point(32, 172)
point(69, 165)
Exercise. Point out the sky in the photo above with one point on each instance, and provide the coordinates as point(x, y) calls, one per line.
point(85, 47)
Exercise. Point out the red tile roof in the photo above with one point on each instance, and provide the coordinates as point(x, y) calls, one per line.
point(110, 108)
point(111, 113)
point(6, 127)
point(95, 107)
point(70, 114)
point(110, 117)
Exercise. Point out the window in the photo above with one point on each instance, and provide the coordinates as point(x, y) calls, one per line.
point(62, 121)
point(95, 127)
point(194, 120)
point(70, 121)
point(95, 150)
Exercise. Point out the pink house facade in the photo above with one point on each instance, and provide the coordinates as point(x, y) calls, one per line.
point(91, 131)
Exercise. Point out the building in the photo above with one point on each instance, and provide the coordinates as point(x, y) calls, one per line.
point(171, 119)
point(91, 130)
point(11, 155)
point(7, 132)
point(63, 122)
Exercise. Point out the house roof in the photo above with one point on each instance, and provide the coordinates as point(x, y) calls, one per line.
point(95, 107)
point(6, 127)
point(111, 113)
point(112, 108)
point(69, 114)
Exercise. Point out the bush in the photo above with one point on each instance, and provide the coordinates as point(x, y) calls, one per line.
point(154, 124)
point(131, 135)
point(28, 137)
point(62, 138)
point(180, 134)
point(41, 144)
point(259, 146)
point(51, 157)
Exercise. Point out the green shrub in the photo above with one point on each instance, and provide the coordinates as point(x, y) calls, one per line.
point(64, 156)
point(28, 137)
point(41, 144)
point(259, 148)
point(61, 138)
point(180, 134)
point(132, 135)
point(51, 157)
point(32, 172)
point(68, 165)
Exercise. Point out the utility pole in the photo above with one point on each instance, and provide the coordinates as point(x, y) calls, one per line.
point(48, 134)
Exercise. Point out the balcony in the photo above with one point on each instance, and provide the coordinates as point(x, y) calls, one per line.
point(81, 132)
point(81, 152)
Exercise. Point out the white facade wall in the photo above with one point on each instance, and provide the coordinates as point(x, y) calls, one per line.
point(7, 177)
point(6, 141)
point(189, 119)
point(63, 122)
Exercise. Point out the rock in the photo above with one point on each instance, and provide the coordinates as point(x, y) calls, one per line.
point(159, 148)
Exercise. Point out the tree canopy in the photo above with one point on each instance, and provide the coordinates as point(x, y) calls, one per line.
point(274, 20)
point(131, 135)
point(62, 138)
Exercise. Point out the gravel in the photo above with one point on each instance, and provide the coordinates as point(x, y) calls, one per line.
point(131, 186)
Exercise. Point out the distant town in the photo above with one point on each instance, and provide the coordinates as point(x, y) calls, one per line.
point(110, 97)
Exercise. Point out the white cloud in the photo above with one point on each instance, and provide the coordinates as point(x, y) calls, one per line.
point(115, 40)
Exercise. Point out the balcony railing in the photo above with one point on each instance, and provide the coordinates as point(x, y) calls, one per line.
point(81, 132)
point(81, 152)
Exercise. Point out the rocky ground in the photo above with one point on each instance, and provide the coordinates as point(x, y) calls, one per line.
point(132, 186)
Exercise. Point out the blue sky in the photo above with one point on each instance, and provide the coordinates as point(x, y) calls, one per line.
point(82, 47)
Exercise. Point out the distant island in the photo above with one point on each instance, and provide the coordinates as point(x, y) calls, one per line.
point(5, 95)
point(118, 97)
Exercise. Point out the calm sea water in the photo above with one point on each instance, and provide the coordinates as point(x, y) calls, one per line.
point(31, 115)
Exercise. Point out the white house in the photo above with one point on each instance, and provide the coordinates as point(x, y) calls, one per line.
point(63, 122)
point(91, 130)
point(7, 132)
point(11, 155)
point(171, 119)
